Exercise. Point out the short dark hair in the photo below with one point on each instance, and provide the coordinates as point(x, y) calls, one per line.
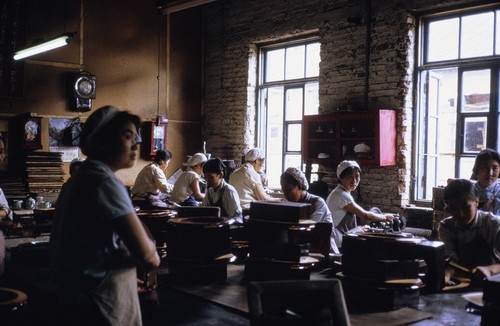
point(459, 189)
point(483, 156)
point(288, 179)
point(162, 155)
point(214, 165)
point(100, 131)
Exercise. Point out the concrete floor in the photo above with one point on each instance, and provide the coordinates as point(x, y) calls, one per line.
point(173, 308)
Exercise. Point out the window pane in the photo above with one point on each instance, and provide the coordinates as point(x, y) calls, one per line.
point(275, 59)
point(476, 91)
point(477, 35)
point(295, 57)
point(475, 132)
point(312, 60)
point(465, 167)
point(443, 40)
point(292, 161)
point(437, 129)
point(497, 38)
point(273, 169)
point(311, 101)
point(293, 104)
point(274, 132)
point(294, 137)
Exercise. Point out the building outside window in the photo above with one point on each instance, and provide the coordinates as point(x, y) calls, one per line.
point(287, 90)
point(458, 103)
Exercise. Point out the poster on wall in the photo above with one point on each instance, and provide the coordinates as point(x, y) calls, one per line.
point(32, 128)
point(56, 144)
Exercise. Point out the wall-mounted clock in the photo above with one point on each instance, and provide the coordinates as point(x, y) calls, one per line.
point(84, 90)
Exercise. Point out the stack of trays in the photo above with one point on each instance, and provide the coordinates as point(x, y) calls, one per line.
point(382, 272)
point(198, 249)
point(491, 299)
point(276, 252)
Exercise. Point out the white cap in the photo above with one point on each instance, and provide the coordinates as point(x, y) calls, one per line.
point(254, 154)
point(362, 148)
point(196, 159)
point(299, 176)
point(346, 164)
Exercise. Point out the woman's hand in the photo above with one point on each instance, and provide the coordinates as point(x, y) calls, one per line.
point(389, 217)
point(487, 271)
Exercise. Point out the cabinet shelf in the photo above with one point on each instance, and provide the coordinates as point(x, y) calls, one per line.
point(367, 137)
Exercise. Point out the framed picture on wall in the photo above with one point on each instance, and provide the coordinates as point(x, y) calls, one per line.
point(32, 133)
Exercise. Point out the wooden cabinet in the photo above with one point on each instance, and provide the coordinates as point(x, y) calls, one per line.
point(366, 137)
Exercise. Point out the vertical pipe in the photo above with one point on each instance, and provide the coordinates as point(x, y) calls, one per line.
point(368, 13)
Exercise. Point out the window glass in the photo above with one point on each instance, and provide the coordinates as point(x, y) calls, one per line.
point(294, 137)
point(475, 134)
point(312, 59)
point(285, 95)
point(454, 95)
point(466, 164)
point(293, 104)
point(443, 40)
point(295, 57)
point(274, 65)
point(476, 91)
point(292, 161)
point(311, 100)
point(497, 33)
point(477, 35)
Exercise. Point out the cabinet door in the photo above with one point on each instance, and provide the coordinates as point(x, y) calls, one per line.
point(320, 142)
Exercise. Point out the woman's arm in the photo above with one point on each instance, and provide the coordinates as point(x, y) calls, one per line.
point(360, 212)
point(260, 194)
point(136, 238)
point(195, 187)
point(489, 270)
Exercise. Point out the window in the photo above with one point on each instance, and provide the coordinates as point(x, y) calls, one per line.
point(288, 90)
point(458, 104)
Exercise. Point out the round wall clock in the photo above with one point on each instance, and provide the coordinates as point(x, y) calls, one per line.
point(84, 86)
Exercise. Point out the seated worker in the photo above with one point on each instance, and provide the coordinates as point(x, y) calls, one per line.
point(186, 190)
point(294, 185)
point(342, 205)
point(487, 188)
point(151, 183)
point(75, 164)
point(220, 193)
point(471, 236)
point(247, 181)
point(5, 213)
point(97, 240)
point(488, 270)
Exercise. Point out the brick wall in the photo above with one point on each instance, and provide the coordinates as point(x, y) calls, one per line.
point(235, 28)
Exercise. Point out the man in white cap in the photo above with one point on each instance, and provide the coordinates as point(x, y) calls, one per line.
point(342, 205)
point(294, 185)
point(186, 190)
point(247, 180)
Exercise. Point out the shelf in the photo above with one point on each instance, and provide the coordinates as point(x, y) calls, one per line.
point(367, 137)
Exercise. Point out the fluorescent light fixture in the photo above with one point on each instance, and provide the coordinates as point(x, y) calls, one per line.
point(43, 47)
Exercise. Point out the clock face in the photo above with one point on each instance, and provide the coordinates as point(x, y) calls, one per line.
point(85, 87)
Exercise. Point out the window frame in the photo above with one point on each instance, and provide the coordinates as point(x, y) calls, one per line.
point(423, 66)
point(286, 84)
